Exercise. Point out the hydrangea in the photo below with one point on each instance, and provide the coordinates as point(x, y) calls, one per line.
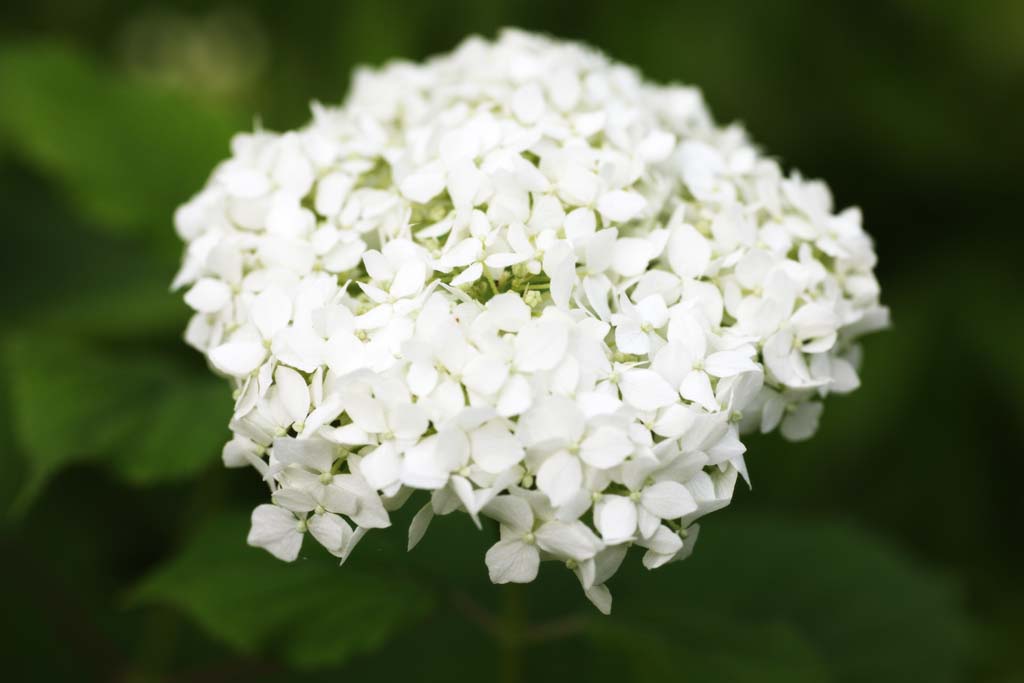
point(526, 281)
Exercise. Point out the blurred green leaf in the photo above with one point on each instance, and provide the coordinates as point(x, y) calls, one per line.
point(120, 305)
point(311, 612)
point(870, 612)
point(82, 283)
point(127, 151)
point(137, 412)
point(186, 425)
point(71, 401)
point(707, 647)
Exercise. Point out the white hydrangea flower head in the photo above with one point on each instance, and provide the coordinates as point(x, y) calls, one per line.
point(523, 279)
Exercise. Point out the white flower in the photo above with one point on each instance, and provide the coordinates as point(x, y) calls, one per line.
point(686, 363)
point(280, 532)
point(637, 324)
point(516, 557)
point(523, 279)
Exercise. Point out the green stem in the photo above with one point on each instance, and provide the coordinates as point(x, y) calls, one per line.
point(512, 633)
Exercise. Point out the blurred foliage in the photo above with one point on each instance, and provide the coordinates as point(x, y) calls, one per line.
point(306, 612)
point(882, 550)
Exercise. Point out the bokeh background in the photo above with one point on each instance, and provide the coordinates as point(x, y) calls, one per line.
point(888, 548)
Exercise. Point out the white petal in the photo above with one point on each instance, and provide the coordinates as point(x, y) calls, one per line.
point(620, 206)
point(464, 183)
point(656, 146)
point(371, 514)
point(668, 500)
point(331, 191)
point(294, 393)
point(646, 390)
point(647, 522)
point(579, 224)
point(471, 274)
point(275, 530)
point(511, 512)
point(485, 374)
point(802, 421)
point(585, 572)
point(653, 311)
point(674, 421)
point(606, 447)
point(541, 344)
point(331, 531)
point(728, 364)
point(407, 420)
point(577, 185)
point(382, 468)
point(288, 219)
point(409, 279)
point(316, 454)
point(466, 494)
point(773, 411)
point(271, 310)
point(512, 561)
point(688, 329)
point(421, 378)
point(377, 266)
point(424, 184)
point(631, 256)
point(243, 181)
point(560, 477)
point(495, 449)
point(528, 103)
point(418, 525)
point(208, 295)
point(366, 413)
point(673, 362)
point(422, 468)
point(559, 266)
point(664, 542)
point(464, 253)
point(296, 500)
point(515, 397)
point(324, 414)
point(238, 359)
point(504, 260)
point(696, 387)
point(351, 543)
point(508, 312)
point(338, 499)
point(608, 561)
point(615, 518)
point(689, 253)
point(601, 598)
point(629, 338)
point(555, 419)
point(568, 540)
point(239, 452)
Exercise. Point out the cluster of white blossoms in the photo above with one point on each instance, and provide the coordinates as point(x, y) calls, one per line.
point(526, 281)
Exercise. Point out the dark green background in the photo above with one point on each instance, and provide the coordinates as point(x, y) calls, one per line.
point(888, 548)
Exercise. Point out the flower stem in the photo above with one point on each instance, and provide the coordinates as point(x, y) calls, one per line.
point(512, 633)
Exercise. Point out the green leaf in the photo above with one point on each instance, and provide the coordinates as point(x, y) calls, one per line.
point(135, 412)
point(869, 611)
point(72, 402)
point(706, 647)
point(127, 151)
point(311, 612)
point(80, 282)
point(183, 433)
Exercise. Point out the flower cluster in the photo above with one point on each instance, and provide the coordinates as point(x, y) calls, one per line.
point(524, 280)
